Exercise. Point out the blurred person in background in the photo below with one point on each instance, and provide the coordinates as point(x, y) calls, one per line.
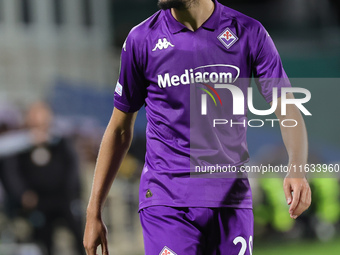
point(12, 138)
point(10, 121)
point(43, 182)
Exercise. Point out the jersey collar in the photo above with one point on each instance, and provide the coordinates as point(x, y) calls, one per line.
point(210, 24)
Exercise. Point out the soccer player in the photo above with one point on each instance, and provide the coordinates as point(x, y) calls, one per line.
point(192, 44)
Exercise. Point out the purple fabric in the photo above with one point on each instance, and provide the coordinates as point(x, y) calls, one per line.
point(158, 64)
point(197, 231)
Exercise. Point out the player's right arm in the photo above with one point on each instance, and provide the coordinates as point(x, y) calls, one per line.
point(114, 146)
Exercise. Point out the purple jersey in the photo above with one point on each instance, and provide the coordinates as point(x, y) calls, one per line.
point(161, 61)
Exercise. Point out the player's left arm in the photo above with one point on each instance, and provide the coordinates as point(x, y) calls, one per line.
point(295, 185)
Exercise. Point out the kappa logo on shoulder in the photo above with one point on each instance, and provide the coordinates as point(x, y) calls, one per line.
point(163, 44)
point(167, 251)
point(227, 38)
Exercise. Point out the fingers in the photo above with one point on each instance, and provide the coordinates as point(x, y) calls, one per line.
point(296, 198)
point(104, 247)
point(309, 196)
point(288, 192)
point(301, 198)
point(91, 251)
point(105, 250)
point(89, 244)
point(95, 235)
point(103, 243)
point(300, 206)
point(305, 200)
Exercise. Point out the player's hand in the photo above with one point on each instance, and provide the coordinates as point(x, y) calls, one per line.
point(298, 195)
point(95, 235)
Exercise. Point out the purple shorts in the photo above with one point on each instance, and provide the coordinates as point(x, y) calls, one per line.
point(197, 230)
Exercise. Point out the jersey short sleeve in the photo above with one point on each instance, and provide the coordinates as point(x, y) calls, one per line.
point(267, 66)
point(130, 89)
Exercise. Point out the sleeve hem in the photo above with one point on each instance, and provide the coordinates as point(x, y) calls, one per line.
point(123, 107)
point(269, 97)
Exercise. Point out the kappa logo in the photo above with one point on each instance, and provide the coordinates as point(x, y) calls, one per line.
point(162, 44)
point(167, 251)
point(227, 38)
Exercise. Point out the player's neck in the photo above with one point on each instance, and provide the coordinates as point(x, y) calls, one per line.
point(195, 15)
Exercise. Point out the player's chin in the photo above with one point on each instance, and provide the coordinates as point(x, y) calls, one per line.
point(168, 4)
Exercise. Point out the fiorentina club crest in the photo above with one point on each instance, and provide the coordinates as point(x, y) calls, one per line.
point(167, 251)
point(227, 38)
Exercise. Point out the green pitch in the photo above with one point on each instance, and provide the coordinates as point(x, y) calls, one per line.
point(312, 247)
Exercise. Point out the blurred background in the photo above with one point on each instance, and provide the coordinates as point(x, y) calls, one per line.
point(59, 62)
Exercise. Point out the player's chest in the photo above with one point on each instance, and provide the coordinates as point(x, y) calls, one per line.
point(195, 54)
